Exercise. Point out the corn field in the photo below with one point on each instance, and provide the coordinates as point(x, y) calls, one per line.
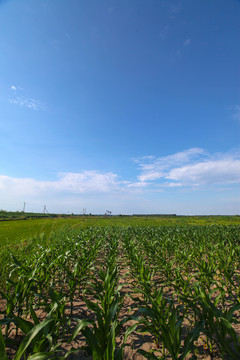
point(104, 293)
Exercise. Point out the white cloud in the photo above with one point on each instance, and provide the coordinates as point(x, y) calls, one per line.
point(151, 175)
point(137, 185)
point(95, 190)
point(189, 170)
point(23, 100)
point(225, 171)
point(156, 168)
point(71, 183)
point(88, 181)
point(192, 167)
point(173, 185)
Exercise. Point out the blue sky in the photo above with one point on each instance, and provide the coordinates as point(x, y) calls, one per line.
point(131, 106)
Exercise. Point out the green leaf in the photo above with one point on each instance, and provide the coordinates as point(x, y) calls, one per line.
point(189, 341)
point(34, 316)
point(130, 329)
point(3, 354)
point(17, 262)
point(232, 310)
point(23, 324)
point(148, 355)
point(41, 356)
point(111, 342)
point(82, 324)
point(93, 343)
point(30, 336)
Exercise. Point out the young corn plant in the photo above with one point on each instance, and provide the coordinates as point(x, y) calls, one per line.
point(41, 338)
point(78, 267)
point(101, 331)
point(217, 323)
point(164, 321)
point(206, 269)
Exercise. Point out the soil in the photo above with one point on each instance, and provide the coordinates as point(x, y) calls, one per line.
point(135, 341)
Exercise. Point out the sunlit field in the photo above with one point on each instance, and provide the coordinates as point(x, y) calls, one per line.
point(119, 137)
point(102, 289)
point(21, 230)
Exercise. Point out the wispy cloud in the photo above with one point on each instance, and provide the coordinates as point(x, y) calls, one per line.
point(236, 113)
point(72, 183)
point(98, 190)
point(193, 168)
point(208, 172)
point(175, 9)
point(17, 98)
point(156, 168)
point(187, 42)
point(164, 32)
point(190, 168)
point(88, 181)
point(29, 103)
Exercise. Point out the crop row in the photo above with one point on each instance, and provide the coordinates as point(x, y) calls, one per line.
point(178, 284)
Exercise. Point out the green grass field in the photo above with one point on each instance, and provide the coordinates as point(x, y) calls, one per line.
point(173, 290)
point(19, 231)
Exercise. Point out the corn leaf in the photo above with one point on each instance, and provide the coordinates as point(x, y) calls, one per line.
point(30, 336)
point(3, 354)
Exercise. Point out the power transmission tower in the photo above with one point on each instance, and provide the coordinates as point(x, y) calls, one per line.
point(45, 210)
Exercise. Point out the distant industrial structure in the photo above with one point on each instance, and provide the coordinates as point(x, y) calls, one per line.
point(45, 210)
point(154, 214)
